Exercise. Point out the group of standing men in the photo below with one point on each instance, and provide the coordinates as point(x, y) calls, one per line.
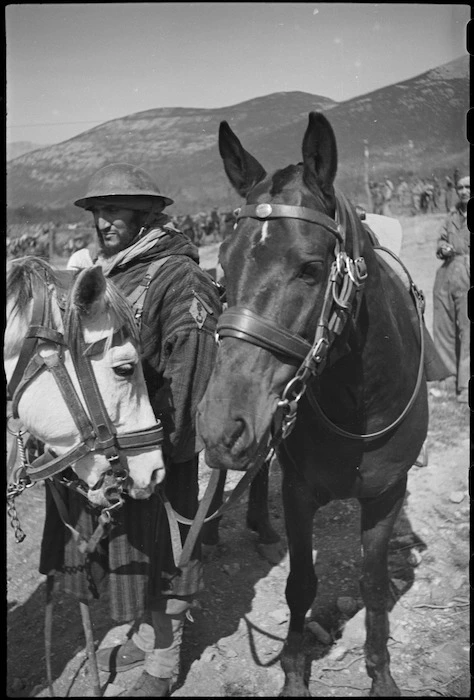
point(413, 196)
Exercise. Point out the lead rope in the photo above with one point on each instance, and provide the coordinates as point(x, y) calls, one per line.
point(48, 630)
point(88, 633)
point(282, 418)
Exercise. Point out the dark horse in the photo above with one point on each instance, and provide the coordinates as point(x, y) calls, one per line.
point(322, 339)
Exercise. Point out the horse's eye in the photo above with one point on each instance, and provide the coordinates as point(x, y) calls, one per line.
point(311, 272)
point(125, 370)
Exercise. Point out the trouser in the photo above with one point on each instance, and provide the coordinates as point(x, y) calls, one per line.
point(451, 325)
point(161, 640)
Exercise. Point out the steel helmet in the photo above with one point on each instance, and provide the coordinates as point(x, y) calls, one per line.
point(123, 180)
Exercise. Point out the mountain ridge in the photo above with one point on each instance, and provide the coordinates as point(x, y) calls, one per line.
point(414, 125)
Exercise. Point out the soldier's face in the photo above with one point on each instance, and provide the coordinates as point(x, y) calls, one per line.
point(463, 188)
point(116, 227)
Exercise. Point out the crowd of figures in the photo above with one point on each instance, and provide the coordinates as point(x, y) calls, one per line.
point(413, 195)
point(28, 239)
point(202, 228)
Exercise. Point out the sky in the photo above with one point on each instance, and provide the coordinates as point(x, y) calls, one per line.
point(73, 66)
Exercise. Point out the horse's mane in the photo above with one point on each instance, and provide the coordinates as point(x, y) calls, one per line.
point(119, 312)
point(25, 274)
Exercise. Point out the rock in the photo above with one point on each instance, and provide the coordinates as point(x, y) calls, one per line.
point(208, 655)
point(462, 528)
point(337, 653)
point(415, 558)
point(17, 685)
point(353, 635)
point(231, 569)
point(403, 636)
point(36, 690)
point(347, 605)
point(456, 496)
point(230, 653)
point(273, 552)
point(281, 615)
point(319, 632)
point(399, 584)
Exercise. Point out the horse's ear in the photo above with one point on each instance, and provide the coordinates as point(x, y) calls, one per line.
point(319, 153)
point(89, 288)
point(242, 169)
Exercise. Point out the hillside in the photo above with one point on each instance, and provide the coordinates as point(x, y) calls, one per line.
point(15, 149)
point(416, 125)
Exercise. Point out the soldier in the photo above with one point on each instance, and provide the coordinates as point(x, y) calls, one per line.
point(178, 324)
point(451, 326)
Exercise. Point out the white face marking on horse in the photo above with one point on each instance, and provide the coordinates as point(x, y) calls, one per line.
point(264, 232)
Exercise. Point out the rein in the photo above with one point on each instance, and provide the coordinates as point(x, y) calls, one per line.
point(341, 304)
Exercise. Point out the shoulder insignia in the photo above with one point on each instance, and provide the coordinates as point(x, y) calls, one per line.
point(198, 312)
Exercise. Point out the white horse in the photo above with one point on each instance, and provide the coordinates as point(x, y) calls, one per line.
point(86, 316)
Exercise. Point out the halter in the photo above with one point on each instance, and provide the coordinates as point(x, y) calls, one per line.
point(342, 299)
point(98, 434)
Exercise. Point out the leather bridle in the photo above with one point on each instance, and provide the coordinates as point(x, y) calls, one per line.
point(98, 434)
point(341, 304)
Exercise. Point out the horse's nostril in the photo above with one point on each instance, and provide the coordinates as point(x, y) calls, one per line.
point(157, 476)
point(237, 433)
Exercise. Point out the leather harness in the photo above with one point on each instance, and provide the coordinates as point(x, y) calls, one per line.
point(98, 434)
point(341, 304)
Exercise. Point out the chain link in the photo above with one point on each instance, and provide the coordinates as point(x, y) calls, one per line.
point(14, 521)
point(20, 482)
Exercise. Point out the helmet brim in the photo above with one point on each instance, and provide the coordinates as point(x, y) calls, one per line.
point(126, 200)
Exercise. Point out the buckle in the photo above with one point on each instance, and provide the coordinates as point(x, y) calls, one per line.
point(361, 269)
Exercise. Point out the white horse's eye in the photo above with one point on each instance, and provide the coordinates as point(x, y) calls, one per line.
point(125, 370)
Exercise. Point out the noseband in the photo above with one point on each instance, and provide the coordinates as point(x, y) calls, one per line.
point(342, 299)
point(98, 434)
point(345, 282)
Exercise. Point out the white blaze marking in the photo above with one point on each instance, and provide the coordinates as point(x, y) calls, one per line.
point(264, 232)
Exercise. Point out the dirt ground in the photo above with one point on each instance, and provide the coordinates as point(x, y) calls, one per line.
point(232, 647)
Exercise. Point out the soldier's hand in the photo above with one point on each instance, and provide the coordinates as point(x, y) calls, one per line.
point(445, 251)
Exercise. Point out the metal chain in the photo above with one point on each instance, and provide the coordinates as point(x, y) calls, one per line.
point(346, 279)
point(14, 521)
point(18, 485)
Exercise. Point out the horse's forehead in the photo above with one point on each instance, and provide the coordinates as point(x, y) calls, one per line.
point(286, 182)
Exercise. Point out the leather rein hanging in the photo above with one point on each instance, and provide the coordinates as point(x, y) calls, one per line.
point(341, 304)
point(98, 434)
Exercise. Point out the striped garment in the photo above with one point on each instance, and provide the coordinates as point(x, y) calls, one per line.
point(178, 351)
